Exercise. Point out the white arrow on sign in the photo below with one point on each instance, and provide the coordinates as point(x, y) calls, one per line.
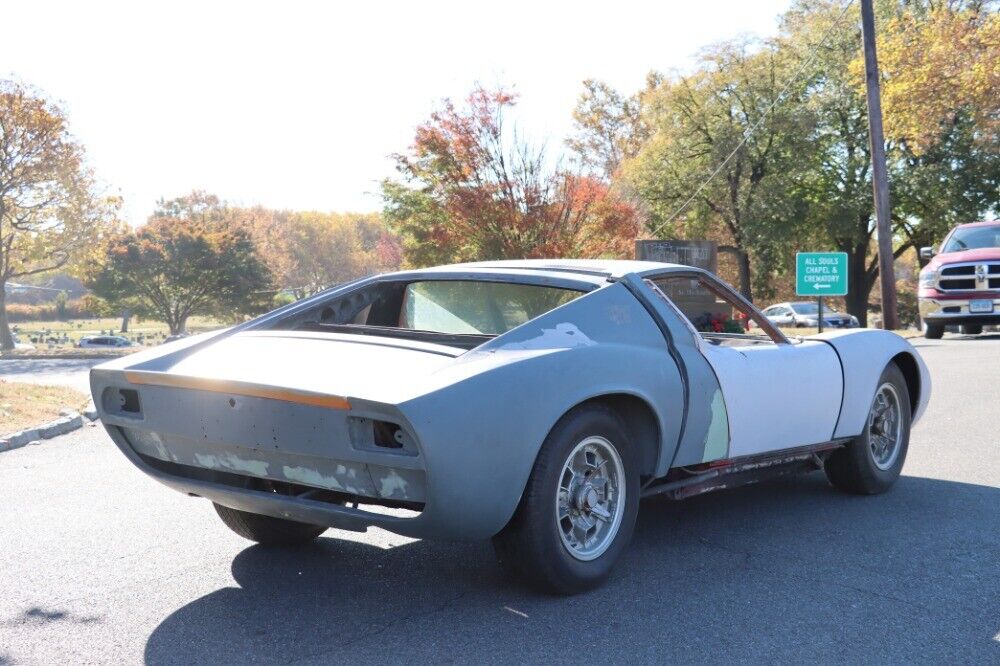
point(820, 285)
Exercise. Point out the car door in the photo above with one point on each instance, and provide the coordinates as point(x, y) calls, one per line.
point(778, 395)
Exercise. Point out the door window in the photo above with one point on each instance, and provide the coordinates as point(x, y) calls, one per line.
point(716, 313)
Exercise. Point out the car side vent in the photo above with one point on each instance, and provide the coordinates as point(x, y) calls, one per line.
point(387, 435)
point(382, 436)
point(121, 401)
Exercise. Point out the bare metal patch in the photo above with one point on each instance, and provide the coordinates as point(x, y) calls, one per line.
point(237, 464)
point(717, 436)
point(311, 477)
point(392, 483)
point(209, 461)
point(563, 336)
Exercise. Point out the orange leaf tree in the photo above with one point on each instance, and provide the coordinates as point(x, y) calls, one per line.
point(472, 191)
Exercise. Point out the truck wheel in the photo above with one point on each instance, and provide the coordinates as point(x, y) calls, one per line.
point(578, 509)
point(971, 329)
point(933, 331)
point(267, 530)
point(872, 462)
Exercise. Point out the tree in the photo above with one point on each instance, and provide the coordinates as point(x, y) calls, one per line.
point(941, 65)
point(51, 212)
point(175, 267)
point(837, 167)
point(732, 105)
point(610, 126)
point(470, 190)
point(325, 249)
point(950, 181)
point(305, 251)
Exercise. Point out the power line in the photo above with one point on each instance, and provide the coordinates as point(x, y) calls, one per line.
point(753, 128)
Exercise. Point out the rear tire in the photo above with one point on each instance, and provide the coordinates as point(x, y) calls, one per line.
point(933, 331)
point(873, 461)
point(266, 530)
point(971, 329)
point(579, 506)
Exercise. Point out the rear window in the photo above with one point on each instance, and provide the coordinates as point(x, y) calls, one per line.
point(458, 313)
point(476, 307)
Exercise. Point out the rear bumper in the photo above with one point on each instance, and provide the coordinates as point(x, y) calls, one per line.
point(300, 462)
point(299, 508)
point(947, 309)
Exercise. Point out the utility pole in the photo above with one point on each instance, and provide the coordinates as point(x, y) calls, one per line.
point(880, 177)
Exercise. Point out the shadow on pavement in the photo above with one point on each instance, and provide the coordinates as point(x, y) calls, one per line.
point(787, 570)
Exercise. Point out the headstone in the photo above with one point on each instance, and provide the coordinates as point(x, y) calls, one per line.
point(698, 253)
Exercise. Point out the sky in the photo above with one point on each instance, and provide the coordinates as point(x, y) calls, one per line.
point(300, 105)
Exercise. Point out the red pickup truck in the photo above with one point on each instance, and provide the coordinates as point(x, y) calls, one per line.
point(961, 284)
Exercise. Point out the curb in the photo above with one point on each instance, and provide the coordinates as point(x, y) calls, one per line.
point(68, 422)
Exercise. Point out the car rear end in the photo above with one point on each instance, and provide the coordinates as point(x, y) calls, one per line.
point(257, 422)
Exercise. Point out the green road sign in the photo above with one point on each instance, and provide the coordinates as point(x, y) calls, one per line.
point(821, 273)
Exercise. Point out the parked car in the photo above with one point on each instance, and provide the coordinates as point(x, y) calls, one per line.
point(805, 314)
point(961, 284)
point(103, 342)
point(533, 402)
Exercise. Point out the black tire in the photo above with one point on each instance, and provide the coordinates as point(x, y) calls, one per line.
point(266, 530)
point(531, 545)
point(971, 329)
point(853, 468)
point(933, 331)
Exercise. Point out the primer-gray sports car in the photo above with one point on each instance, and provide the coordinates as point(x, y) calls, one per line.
point(534, 402)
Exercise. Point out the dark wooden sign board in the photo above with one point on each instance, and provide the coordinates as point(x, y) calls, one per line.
point(698, 253)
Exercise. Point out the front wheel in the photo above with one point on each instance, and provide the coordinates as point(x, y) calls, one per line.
point(971, 329)
point(579, 507)
point(266, 530)
point(933, 331)
point(873, 461)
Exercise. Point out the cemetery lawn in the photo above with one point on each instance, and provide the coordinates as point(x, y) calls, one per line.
point(24, 405)
point(152, 332)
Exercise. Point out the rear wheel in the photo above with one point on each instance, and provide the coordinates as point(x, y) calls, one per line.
point(873, 461)
point(579, 507)
point(267, 530)
point(933, 331)
point(971, 329)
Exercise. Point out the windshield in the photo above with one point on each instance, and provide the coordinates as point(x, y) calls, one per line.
point(973, 238)
point(805, 308)
point(474, 307)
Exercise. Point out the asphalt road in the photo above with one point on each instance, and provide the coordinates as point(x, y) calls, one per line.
point(103, 565)
point(72, 372)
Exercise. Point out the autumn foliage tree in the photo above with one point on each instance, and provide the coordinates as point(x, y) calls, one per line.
point(472, 190)
point(324, 249)
point(941, 64)
point(175, 267)
point(51, 211)
point(724, 154)
point(304, 251)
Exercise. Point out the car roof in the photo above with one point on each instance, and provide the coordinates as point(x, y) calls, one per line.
point(587, 270)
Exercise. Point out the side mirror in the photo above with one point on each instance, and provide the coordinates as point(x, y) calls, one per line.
point(927, 253)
